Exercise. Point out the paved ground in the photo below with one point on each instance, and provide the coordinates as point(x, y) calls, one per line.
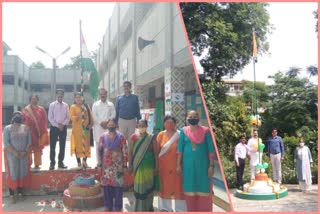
point(53, 203)
point(296, 201)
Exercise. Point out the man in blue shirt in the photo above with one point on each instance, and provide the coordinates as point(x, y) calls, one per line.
point(276, 155)
point(127, 111)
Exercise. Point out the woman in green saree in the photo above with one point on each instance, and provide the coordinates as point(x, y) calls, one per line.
point(143, 165)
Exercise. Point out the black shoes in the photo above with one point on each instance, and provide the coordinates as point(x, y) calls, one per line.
point(62, 166)
point(240, 188)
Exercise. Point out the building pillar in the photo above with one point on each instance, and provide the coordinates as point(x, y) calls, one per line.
point(174, 95)
point(138, 90)
point(134, 45)
point(108, 87)
point(75, 80)
point(174, 78)
point(15, 82)
point(117, 75)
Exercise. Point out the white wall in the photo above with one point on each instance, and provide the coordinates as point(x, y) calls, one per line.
point(179, 40)
point(7, 94)
point(124, 7)
point(114, 24)
point(126, 54)
point(152, 28)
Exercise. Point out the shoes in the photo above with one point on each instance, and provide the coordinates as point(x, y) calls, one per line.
point(240, 188)
point(62, 166)
point(51, 167)
point(36, 168)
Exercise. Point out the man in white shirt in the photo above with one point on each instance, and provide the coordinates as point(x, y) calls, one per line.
point(240, 153)
point(102, 111)
point(253, 147)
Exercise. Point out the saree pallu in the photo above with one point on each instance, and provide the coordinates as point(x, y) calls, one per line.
point(143, 164)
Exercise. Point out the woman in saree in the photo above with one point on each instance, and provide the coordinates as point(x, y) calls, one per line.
point(80, 136)
point(113, 158)
point(303, 161)
point(143, 165)
point(170, 182)
point(17, 143)
point(195, 163)
point(35, 117)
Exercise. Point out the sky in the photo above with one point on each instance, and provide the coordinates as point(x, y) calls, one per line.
point(55, 26)
point(293, 42)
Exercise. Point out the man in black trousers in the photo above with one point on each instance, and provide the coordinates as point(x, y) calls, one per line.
point(240, 153)
point(58, 117)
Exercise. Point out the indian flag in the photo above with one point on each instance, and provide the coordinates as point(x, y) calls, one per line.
point(254, 46)
point(87, 65)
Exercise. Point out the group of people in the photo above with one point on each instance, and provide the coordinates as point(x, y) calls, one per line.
point(176, 164)
point(302, 159)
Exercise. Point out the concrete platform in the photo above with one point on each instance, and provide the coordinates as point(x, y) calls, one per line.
point(296, 201)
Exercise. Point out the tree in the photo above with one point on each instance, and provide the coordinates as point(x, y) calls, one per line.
point(37, 64)
point(315, 13)
point(76, 61)
point(312, 71)
point(293, 105)
point(262, 92)
point(222, 34)
point(228, 116)
point(293, 72)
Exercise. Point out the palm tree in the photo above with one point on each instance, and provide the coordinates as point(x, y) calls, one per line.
point(293, 72)
point(312, 70)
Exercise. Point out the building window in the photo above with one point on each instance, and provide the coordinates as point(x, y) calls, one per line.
point(40, 87)
point(25, 86)
point(8, 80)
point(66, 88)
point(20, 82)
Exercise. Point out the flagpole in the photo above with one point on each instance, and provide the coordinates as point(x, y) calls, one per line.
point(81, 66)
point(82, 106)
point(255, 92)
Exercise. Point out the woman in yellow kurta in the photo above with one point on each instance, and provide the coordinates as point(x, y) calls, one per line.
point(80, 137)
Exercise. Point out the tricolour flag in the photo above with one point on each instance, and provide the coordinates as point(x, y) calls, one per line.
point(254, 46)
point(87, 65)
